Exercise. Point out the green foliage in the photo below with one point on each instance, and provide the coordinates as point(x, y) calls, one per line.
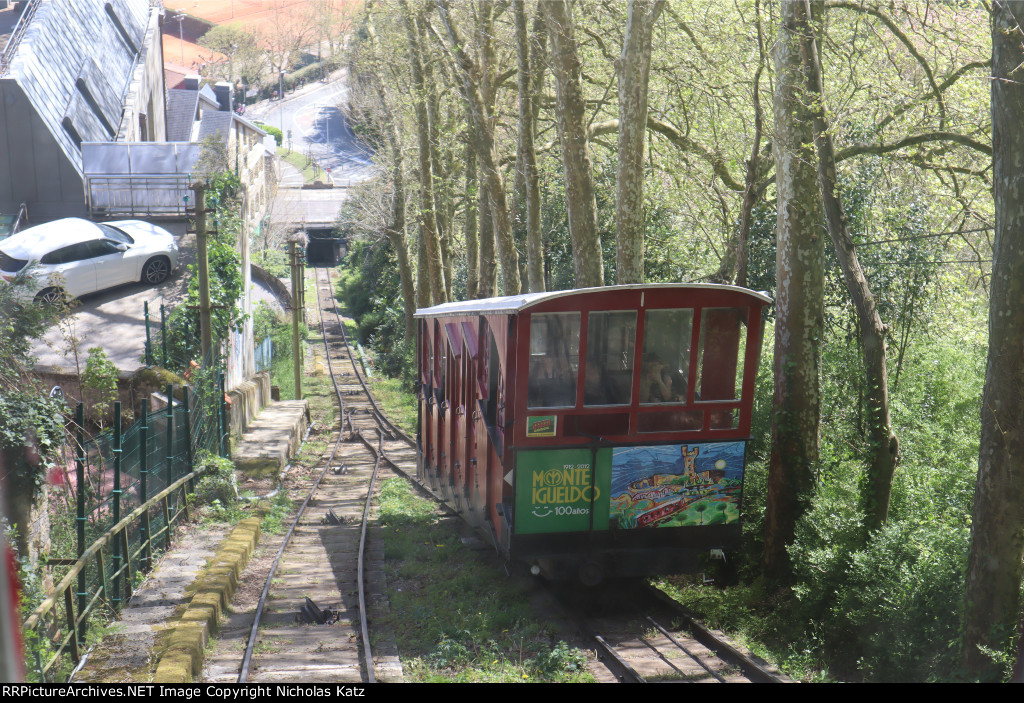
point(561, 659)
point(245, 58)
point(275, 262)
point(276, 133)
point(21, 322)
point(885, 608)
point(225, 266)
point(37, 646)
point(370, 289)
point(100, 376)
point(217, 486)
point(269, 323)
point(273, 519)
point(31, 434)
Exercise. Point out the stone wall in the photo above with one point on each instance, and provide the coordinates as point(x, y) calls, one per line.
point(247, 400)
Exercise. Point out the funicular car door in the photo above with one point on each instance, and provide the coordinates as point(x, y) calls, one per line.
point(464, 421)
point(490, 427)
point(426, 401)
point(452, 467)
point(436, 413)
point(484, 405)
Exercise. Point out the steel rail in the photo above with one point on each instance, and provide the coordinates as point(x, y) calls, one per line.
point(379, 453)
point(752, 669)
point(377, 412)
point(674, 640)
point(251, 644)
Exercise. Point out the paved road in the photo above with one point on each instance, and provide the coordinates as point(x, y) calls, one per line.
point(313, 121)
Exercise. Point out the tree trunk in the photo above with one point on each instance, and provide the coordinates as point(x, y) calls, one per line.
point(428, 224)
point(884, 446)
point(997, 532)
point(486, 283)
point(395, 229)
point(633, 69)
point(442, 178)
point(572, 135)
point(470, 219)
point(799, 300)
point(526, 154)
point(396, 235)
point(490, 171)
point(733, 268)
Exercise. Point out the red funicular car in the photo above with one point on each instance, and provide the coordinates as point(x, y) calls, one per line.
point(593, 432)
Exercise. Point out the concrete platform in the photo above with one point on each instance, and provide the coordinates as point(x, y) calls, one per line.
point(272, 439)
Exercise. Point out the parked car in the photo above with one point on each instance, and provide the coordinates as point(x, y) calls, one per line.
point(72, 257)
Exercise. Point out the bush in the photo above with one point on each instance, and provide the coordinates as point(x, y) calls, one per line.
point(273, 131)
point(888, 607)
point(370, 289)
point(218, 483)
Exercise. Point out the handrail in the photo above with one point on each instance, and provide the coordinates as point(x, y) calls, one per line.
point(11, 48)
point(33, 620)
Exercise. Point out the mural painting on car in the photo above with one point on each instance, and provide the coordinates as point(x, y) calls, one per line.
point(677, 485)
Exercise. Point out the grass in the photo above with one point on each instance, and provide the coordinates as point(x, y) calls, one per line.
point(310, 171)
point(396, 402)
point(455, 619)
point(277, 510)
point(747, 613)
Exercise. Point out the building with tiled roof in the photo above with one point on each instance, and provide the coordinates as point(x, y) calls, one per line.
point(73, 71)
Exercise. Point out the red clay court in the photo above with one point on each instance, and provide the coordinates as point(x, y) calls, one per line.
point(180, 47)
point(246, 12)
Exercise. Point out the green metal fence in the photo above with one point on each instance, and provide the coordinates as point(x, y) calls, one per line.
point(129, 490)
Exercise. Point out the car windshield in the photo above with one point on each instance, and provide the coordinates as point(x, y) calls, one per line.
point(8, 264)
point(115, 233)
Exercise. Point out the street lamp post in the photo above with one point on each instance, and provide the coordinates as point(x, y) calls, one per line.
point(181, 40)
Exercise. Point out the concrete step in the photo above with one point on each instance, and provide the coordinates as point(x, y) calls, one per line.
point(272, 438)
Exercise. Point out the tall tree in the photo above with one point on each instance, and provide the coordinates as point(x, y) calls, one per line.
point(883, 445)
point(427, 220)
point(634, 69)
point(387, 123)
point(481, 112)
point(580, 200)
point(997, 531)
point(530, 77)
point(799, 303)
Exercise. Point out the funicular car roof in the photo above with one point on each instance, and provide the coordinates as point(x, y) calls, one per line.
point(511, 304)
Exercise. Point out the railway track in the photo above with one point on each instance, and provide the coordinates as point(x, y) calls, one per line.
point(311, 623)
point(651, 638)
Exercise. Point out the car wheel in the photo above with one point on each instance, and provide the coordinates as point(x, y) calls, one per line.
point(156, 271)
point(50, 296)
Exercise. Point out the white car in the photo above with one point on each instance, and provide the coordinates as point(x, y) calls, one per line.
point(73, 257)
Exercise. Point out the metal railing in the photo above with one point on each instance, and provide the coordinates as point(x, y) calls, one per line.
point(114, 471)
point(137, 194)
point(11, 48)
point(112, 588)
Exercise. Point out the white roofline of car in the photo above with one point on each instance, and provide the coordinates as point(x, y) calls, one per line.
point(23, 244)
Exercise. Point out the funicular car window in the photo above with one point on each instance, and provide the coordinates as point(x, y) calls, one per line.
point(426, 356)
point(554, 360)
point(665, 364)
point(721, 353)
point(611, 342)
point(441, 361)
